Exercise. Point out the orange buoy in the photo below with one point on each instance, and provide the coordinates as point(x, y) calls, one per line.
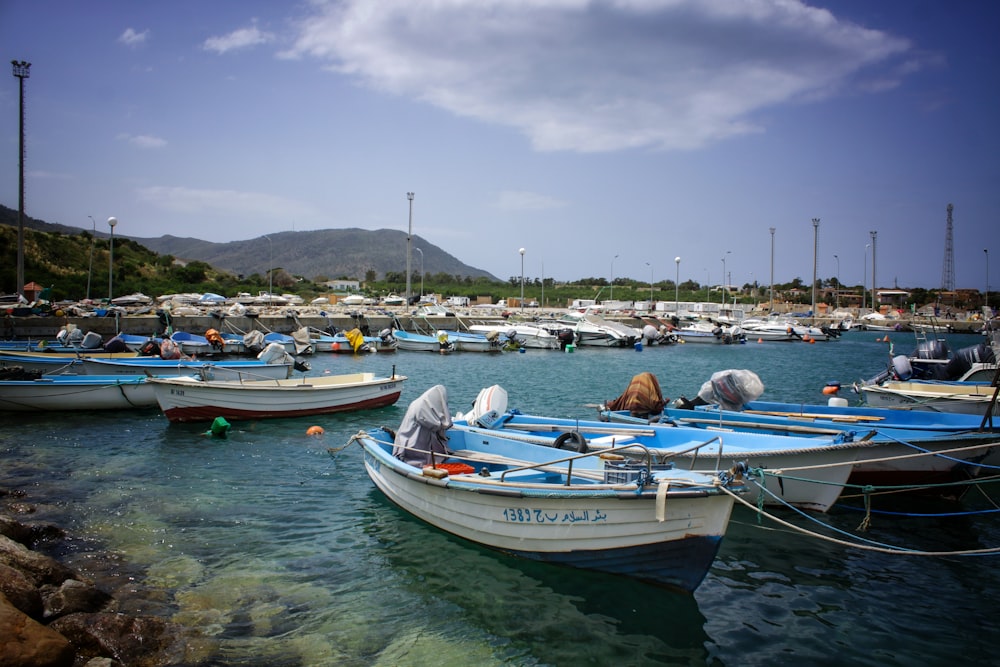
point(314, 430)
point(760, 340)
point(830, 390)
point(812, 341)
point(335, 346)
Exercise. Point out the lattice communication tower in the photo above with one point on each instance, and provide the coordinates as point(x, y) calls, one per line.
point(948, 272)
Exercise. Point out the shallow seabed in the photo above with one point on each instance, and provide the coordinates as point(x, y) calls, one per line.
point(283, 555)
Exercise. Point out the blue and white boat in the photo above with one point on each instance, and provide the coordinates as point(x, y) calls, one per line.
point(406, 340)
point(656, 524)
point(76, 393)
point(242, 369)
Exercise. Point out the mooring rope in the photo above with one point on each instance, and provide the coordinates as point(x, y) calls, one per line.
point(871, 545)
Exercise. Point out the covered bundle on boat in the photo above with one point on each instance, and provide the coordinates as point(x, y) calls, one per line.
point(423, 431)
point(732, 389)
point(356, 338)
point(641, 398)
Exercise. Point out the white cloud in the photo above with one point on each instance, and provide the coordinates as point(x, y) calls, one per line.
point(600, 76)
point(224, 202)
point(143, 140)
point(515, 200)
point(132, 38)
point(237, 39)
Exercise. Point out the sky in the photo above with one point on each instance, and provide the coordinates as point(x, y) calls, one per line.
point(605, 138)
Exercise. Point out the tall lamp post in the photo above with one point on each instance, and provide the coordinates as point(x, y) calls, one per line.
point(612, 297)
point(725, 288)
point(873, 235)
point(112, 221)
point(986, 251)
point(677, 287)
point(771, 286)
point(651, 308)
point(22, 70)
point(421, 271)
point(409, 244)
point(543, 284)
point(864, 277)
point(270, 268)
point(93, 242)
point(815, 222)
point(522, 279)
point(838, 280)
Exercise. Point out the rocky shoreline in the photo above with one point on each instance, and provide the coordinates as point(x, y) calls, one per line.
point(52, 614)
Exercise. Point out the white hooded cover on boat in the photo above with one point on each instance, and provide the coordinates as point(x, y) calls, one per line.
point(424, 428)
point(732, 389)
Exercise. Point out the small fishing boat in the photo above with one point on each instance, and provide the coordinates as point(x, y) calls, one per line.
point(76, 393)
point(587, 511)
point(808, 474)
point(184, 399)
point(903, 448)
point(974, 398)
point(709, 332)
point(246, 369)
point(526, 335)
point(439, 343)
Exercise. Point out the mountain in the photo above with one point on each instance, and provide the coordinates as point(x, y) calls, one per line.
point(334, 253)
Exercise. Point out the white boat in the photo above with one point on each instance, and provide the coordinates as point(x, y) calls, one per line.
point(217, 370)
point(975, 398)
point(590, 328)
point(394, 300)
point(544, 504)
point(878, 322)
point(781, 329)
point(352, 300)
point(76, 392)
point(184, 399)
point(527, 335)
point(709, 332)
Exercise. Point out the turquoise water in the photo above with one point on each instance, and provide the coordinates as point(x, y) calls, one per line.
point(283, 555)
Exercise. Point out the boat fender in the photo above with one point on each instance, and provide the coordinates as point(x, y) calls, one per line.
point(571, 440)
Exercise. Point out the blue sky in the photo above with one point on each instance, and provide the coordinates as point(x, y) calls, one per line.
point(605, 138)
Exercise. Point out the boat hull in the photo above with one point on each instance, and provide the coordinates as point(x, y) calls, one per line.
point(76, 393)
point(604, 529)
point(973, 398)
point(221, 370)
point(189, 399)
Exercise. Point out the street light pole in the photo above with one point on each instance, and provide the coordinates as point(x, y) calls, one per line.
point(270, 268)
point(838, 280)
point(22, 70)
point(771, 286)
point(677, 287)
point(409, 243)
point(815, 222)
point(612, 297)
point(725, 288)
point(650, 286)
point(986, 251)
point(873, 234)
point(93, 241)
point(421, 271)
point(522, 279)
point(112, 221)
point(864, 277)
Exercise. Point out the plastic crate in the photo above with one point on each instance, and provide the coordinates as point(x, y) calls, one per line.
point(626, 472)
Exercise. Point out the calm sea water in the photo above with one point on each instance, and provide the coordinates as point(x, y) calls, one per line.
point(284, 555)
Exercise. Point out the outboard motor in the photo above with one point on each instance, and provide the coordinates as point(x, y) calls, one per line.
point(966, 357)
point(385, 335)
point(565, 338)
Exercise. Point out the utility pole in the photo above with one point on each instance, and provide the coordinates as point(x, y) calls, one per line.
point(22, 70)
point(409, 244)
